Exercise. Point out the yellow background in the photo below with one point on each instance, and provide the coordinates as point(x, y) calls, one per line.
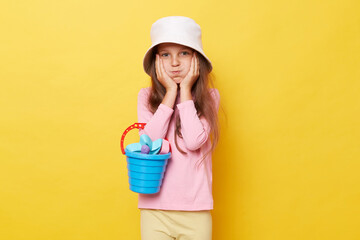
point(287, 165)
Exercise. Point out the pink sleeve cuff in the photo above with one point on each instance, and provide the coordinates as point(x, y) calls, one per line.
point(166, 109)
point(185, 104)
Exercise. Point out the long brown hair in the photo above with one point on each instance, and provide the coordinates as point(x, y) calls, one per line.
point(204, 102)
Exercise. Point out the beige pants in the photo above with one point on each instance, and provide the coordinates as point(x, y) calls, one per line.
point(179, 225)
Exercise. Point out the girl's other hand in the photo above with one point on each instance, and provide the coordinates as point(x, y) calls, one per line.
point(193, 74)
point(162, 76)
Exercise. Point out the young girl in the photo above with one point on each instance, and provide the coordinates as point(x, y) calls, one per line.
point(180, 107)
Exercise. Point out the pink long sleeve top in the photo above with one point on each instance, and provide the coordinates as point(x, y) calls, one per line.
point(185, 186)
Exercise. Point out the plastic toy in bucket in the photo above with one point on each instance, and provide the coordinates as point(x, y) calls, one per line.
point(145, 171)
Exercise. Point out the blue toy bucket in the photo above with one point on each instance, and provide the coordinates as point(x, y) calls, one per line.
point(145, 171)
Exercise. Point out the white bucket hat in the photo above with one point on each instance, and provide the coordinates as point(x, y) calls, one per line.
point(175, 29)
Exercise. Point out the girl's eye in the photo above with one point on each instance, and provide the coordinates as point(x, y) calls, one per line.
point(164, 54)
point(185, 53)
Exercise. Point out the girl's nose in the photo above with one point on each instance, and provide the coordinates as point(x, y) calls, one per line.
point(175, 61)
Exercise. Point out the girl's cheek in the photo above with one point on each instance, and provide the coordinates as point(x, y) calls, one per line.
point(168, 68)
point(166, 64)
point(188, 66)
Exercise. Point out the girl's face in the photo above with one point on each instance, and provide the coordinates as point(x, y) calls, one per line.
point(176, 59)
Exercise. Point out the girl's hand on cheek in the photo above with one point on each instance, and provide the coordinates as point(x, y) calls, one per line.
point(193, 74)
point(162, 76)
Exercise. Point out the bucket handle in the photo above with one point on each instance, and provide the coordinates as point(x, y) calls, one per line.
point(135, 125)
